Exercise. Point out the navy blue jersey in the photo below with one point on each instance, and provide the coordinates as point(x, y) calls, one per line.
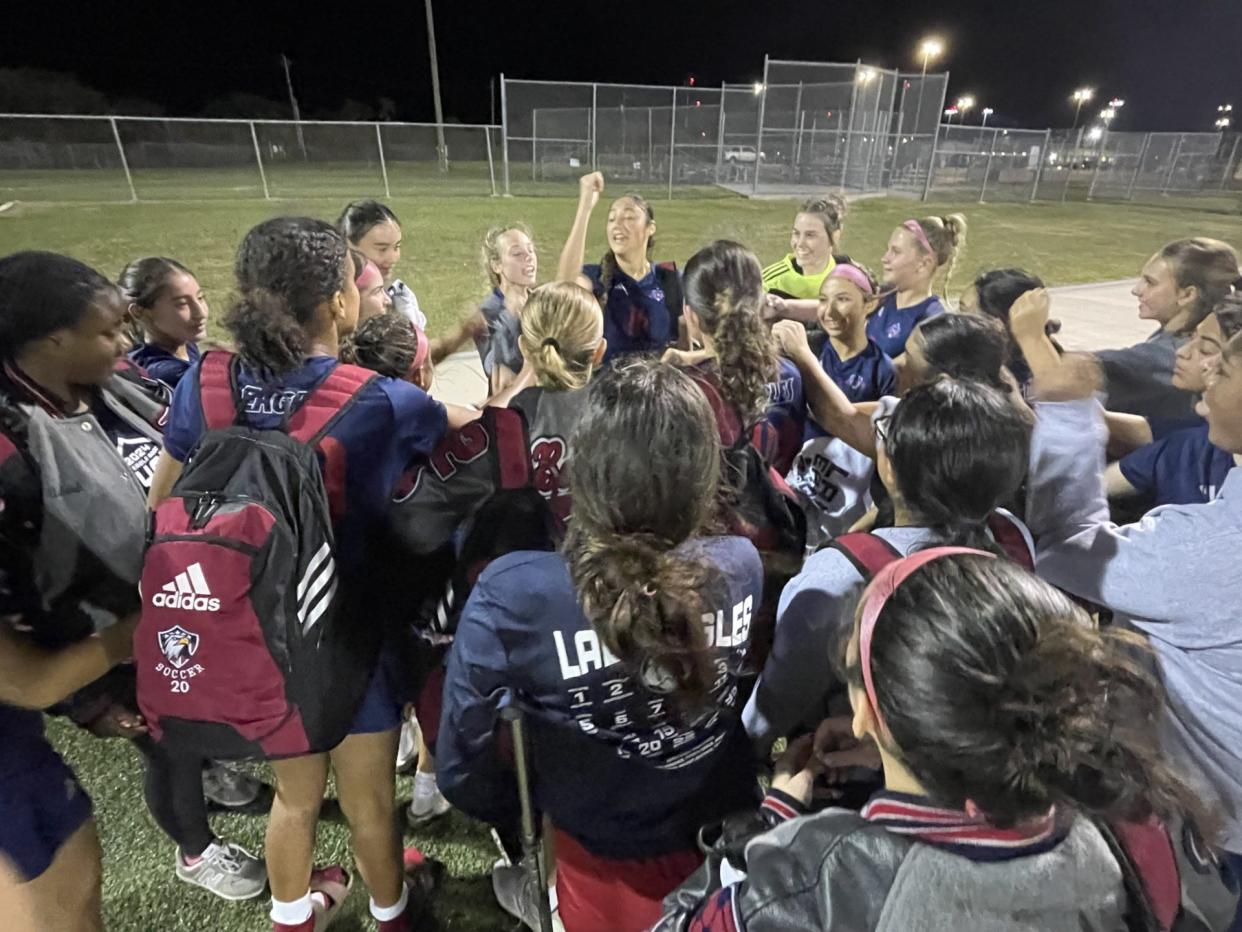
point(390, 424)
point(778, 435)
point(890, 326)
point(1161, 427)
point(867, 376)
point(162, 365)
point(618, 765)
point(637, 318)
point(1183, 468)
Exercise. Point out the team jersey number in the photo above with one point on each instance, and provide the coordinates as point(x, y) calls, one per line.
point(459, 448)
point(547, 456)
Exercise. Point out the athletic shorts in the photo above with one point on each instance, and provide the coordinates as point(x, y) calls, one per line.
point(41, 806)
point(383, 703)
point(609, 895)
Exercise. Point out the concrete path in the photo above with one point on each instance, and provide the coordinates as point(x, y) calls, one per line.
point(1098, 316)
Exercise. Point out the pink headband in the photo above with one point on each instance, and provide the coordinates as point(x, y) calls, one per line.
point(365, 271)
point(920, 234)
point(852, 273)
point(420, 354)
point(877, 594)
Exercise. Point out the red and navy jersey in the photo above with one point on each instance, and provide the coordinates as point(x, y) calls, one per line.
point(550, 418)
point(390, 423)
point(890, 326)
point(618, 765)
point(639, 316)
point(162, 365)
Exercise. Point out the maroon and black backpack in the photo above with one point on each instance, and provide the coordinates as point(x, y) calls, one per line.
point(243, 649)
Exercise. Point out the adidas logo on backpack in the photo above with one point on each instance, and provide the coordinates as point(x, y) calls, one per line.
point(188, 591)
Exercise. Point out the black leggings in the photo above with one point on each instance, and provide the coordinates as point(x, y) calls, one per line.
point(174, 794)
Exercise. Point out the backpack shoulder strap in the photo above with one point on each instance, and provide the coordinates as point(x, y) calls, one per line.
point(1009, 535)
point(330, 399)
point(868, 553)
point(217, 389)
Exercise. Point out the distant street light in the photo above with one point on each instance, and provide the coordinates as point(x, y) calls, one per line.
point(1095, 134)
point(964, 104)
point(987, 112)
point(866, 76)
point(951, 112)
point(1080, 97)
point(929, 48)
point(758, 88)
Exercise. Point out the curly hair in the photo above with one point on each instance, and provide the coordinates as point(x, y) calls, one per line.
point(724, 287)
point(387, 343)
point(285, 269)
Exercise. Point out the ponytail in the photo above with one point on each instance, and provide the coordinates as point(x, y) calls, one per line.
point(645, 471)
point(724, 287)
point(562, 326)
point(945, 238)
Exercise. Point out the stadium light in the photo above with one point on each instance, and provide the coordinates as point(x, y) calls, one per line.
point(1080, 97)
point(1116, 103)
point(931, 47)
point(987, 112)
point(964, 104)
point(758, 88)
point(1095, 134)
point(866, 76)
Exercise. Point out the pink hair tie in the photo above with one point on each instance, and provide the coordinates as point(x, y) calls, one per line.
point(920, 234)
point(877, 594)
point(853, 274)
point(420, 354)
point(365, 272)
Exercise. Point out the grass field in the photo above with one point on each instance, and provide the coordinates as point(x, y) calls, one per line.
point(1065, 243)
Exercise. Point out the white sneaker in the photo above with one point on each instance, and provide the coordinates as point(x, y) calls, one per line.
point(427, 804)
point(227, 870)
point(407, 745)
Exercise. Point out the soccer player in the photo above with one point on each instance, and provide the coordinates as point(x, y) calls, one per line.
point(793, 284)
point(626, 649)
point(170, 310)
point(641, 299)
point(917, 251)
point(512, 268)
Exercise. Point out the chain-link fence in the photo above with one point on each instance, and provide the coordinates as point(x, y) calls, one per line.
point(140, 158)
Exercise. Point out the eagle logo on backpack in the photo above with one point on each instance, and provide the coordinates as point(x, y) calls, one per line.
point(178, 645)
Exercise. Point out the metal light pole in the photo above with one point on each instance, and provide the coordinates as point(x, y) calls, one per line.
point(929, 48)
point(441, 151)
point(293, 101)
point(987, 112)
point(1080, 97)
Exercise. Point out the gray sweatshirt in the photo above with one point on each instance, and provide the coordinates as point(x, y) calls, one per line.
point(813, 619)
point(1174, 576)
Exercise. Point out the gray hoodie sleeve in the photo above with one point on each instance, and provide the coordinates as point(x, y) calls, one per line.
point(814, 609)
point(1126, 568)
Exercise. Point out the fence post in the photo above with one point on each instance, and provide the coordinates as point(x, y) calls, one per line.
point(1177, 151)
point(491, 166)
point(845, 162)
point(797, 165)
point(133, 193)
point(1229, 163)
point(1138, 169)
point(672, 143)
point(650, 139)
point(379, 142)
point(258, 157)
point(504, 130)
point(763, 102)
point(594, 116)
point(1039, 169)
point(987, 168)
point(720, 132)
point(1099, 160)
point(1069, 176)
point(534, 141)
point(931, 165)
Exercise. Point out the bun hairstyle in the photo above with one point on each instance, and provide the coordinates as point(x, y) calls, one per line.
point(1208, 265)
point(285, 269)
point(959, 450)
point(830, 210)
point(42, 292)
point(608, 263)
point(723, 285)
point(946, 237)
point(562, 326)
point(994, 687)
point(386, 343)
point(489, 253)
point(359, 217)
point(645, 471)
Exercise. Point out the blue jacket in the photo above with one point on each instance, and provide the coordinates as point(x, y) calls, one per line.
point(614, 763)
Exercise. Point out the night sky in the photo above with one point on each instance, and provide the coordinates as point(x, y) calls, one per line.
point(1172, 61)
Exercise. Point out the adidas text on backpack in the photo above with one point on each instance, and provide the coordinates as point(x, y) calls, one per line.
point(244, 648)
